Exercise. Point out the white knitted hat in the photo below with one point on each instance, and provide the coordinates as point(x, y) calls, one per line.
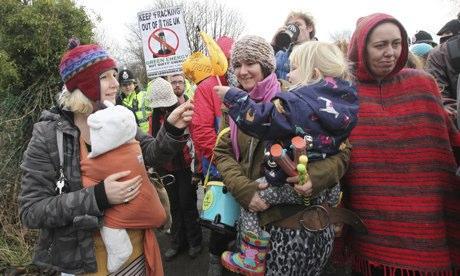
point(110, 128)
point(160, 93)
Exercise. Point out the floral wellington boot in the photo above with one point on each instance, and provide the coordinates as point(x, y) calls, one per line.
point(251, 260)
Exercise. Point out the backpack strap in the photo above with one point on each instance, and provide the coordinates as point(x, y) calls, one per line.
point(60, 145)
point(60, 183)
point(219, 136)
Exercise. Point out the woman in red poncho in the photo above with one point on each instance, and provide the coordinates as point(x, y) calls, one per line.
point(402, 178)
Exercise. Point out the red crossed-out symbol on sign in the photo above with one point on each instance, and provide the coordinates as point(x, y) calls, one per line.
point(172, 49)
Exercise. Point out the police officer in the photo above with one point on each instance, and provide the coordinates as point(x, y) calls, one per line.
point(134, 99)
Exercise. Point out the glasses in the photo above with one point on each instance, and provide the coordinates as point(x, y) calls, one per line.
point(177, 82)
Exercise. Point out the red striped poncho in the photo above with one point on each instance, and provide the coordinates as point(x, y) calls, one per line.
point(402, 179)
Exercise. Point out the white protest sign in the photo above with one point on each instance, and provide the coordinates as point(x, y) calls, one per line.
point(164, 40)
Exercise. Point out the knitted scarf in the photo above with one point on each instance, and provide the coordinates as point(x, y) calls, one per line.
point(264, 91)
point(401, 179)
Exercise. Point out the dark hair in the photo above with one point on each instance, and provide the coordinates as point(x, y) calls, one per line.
point(160, 114)
point(265, 71)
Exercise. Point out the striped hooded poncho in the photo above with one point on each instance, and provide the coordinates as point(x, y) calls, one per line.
point(402, 180)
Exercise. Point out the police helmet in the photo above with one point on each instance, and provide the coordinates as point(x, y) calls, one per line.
point(126, 76)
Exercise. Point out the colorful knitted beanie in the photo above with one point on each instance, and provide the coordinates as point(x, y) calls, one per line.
point(253, 49)
point(81, 67)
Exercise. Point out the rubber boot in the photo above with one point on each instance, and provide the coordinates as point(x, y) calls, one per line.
point(251, 259)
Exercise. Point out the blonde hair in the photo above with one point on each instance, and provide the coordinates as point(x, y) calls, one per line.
point(343, 45)
point(325, 57)
point(75, 101)
point(414, 61)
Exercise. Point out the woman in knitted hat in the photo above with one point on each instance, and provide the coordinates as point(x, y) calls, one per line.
point(240, 157)
point(185, 228)
point(54, 198)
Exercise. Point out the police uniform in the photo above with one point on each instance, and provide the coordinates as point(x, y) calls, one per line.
point(135, 101)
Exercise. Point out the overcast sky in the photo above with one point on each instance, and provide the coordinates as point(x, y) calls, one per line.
point(263, 17)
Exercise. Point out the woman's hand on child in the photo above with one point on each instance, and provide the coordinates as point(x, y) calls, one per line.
point(121, 191)
point(181, 116)
point(257, 204)
point(221, 91)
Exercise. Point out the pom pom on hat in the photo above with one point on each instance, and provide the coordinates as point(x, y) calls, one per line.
point(253, 49)
point(81, 67)
point(73, 42)
point(160, 93)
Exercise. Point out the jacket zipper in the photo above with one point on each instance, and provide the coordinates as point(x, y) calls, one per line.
point(250, 152)
point(380, 94)
point(50, 247)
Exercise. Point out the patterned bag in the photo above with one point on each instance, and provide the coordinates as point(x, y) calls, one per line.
point(159, 183)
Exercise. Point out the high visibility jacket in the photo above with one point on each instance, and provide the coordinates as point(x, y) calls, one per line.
point(137, 103)
point(189, 89)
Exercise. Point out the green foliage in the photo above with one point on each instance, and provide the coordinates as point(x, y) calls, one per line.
point(33, 38)
point(8, 73)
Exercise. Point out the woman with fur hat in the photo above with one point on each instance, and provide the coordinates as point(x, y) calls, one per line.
point(240, 157)
point(54, 197)
point(401, 180)
point(322, 108)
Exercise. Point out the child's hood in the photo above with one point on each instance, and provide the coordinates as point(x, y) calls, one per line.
point(110, 128)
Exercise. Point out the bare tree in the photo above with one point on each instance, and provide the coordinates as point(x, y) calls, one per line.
point(214, 18)
point(344, 35)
